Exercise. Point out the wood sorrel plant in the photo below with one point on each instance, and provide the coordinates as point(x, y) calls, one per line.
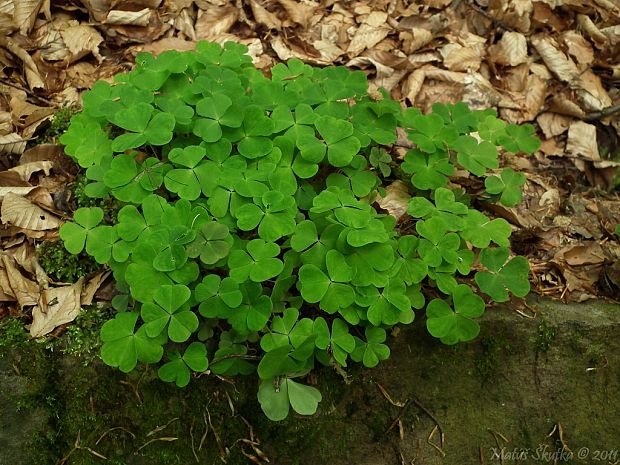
point(248, 231)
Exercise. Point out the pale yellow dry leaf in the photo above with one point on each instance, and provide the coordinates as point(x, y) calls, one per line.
point(33, 77)
point(19, 211)
point(184, 22)
point(82, 75)
point(216, 21)
point(57, 306)
point(372, 31)
point(510, 50)
point(25, 14)
point(7, 23)
point(93, 285)
point(530, 102)
point(129, 18)
point(459, 58)
point(591, 93)
point(264, 16)
point(578, 47)
point(98, 9)
point(15, 284)
point(169, 43)
point(396, 200)
point(12, 144)
point(415, 39)
point(301, 13)
point(81, 40)
point(599, 39)
point(17, 190)
point(553, 124)
point(25, 171)
point(513, 13)
point(582, 141)
point(329, 52)
point(567, 107)
point(560, 65)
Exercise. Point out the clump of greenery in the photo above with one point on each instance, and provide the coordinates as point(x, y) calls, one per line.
point(249, 241)
point(12, 334)
point(58, 125)
point(63, 266)
point(546, 335)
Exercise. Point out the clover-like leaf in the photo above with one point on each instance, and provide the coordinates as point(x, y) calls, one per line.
point(74, 235)
point(259, 262)
point(454, 326)
point(178, 368)
point(507, 185)
point(373, 350)
point(123, 346)
point(213, 243)
point(276, 401)
point(168, 310)
point(428, 171)
point(504, 275)
point(476, 157)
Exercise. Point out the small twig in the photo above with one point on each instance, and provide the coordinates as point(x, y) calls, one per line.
point(28, 91)
point(223, 451)
point(239, 356)
point(161, 428)
point(191, 435)
point(495, 21)
point(398, 417)
point(204, 435)
point(435, 446)
point(113, 429)
point(608, 111)
point(150, 441)
point(432, 417)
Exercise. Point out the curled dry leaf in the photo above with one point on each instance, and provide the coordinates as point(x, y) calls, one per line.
point(582, 141)
point(301, 13)
point(459, 58)
point(19, 211)
point(33, 77)
point(215, 21)
point(26, 11)
point(396, 200)
point(264, 16)
point(92, 286)
point(511, 50)
point(25, 171)
point(599, 39)
point(12, 144)
point(372, 31)
point(16, 285)
point(553, 124)
point(129, 18)
point(57, 306)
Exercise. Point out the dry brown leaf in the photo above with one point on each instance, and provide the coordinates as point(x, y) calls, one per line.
point(415, 39)
point(33, 77)
point(12, 144)
point(301, 13)
point(216, 21)
point(13, 283)
point(80, 40)
point(582, 141)
point(93, 285)
point(264, 16)
point(396, 200)
point(459, 58)
point(553, 124)
point(560, 65)
point(578, 47)
point(25, 13)
point(599, 39)
point(513, 13)
point(129, 18)
point(19, 211)
point(510, 50)
point(57, 306)
point(372, 31)
point(169, 43)
point(591, 93)
point(25, 171)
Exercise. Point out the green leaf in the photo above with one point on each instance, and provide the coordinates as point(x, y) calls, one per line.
point(371, 352)
point(258, 263)
point(428, 171)
point(74, 235)
point(454, 326)
point(123, 346)
point(508, 184)
point(503, 276)
point(476, 157)
point(169, 311)
point(275, 401)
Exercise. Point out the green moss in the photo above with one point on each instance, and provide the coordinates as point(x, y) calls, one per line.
point(12, 334)
point(61, 266)
point(544, 337)
point(492, 349)
point(58, 125)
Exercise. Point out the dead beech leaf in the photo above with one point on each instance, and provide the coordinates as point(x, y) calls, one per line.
point(129, 18)
point(556, 60)
point(57, 306)
point(215, 21)
point(553, 124)
point(19, 211)
point(578, 47)
point(372, 31)
point(26, 12)
point(582, 141)
point(13, 283)
point(396, 200)
point(168, 43)
point(33, 77)
point(459, 58)
point(12, 144)
point(93, 285)
point(25, 171)
point(594, 32)
point(300, 12)
point(510, 50)
point(264, 16)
